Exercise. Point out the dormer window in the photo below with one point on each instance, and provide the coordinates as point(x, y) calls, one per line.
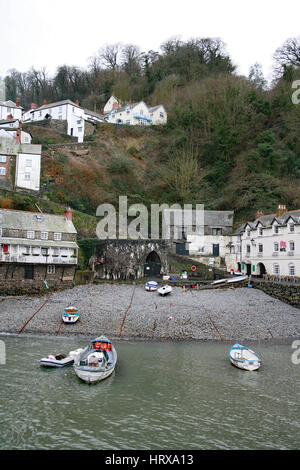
point(260, 231)
point(248, 232)
point(57, 236)
point(291, 227)
point(275, 229)
point(30, 234)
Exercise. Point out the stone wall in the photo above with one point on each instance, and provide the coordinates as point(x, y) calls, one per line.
point(126, 259)
point(13, 282)
point(289, 293)
point(58, 125)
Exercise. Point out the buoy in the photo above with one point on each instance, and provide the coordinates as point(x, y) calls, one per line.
point(193, 268)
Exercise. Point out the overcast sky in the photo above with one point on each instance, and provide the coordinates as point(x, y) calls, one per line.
point(49, 33)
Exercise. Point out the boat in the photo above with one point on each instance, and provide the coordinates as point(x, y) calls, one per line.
point(151, 286)
point(97, 361)
point(59, 360)
point(70, 314)
point(164, 290)
point(243, 358)
point(237, 279)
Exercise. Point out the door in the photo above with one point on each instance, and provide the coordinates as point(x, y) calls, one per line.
point(216, 250)
point(29, 271)
point(152, 266)
point(181, 249)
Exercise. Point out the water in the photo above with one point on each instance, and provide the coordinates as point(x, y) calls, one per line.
point(163, 395)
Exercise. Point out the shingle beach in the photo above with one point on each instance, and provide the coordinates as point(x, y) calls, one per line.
point(128, 311)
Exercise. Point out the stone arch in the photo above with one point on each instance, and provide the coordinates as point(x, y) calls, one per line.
point(260, 269)
point(152, 265)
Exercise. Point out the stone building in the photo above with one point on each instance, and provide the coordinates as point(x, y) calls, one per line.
point(37, 251)
point(131, 259)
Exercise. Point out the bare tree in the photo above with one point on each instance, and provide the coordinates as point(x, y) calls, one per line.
point(110, 55)
point(288, 55)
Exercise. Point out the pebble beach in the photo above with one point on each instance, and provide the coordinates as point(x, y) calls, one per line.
point(128, 311)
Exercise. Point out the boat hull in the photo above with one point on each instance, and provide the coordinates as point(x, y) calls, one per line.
point(70, 319)
point(244, 358)
point(45, 362)
point(91, 377)
point(165, 290)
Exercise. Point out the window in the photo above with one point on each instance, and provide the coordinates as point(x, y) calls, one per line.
point(44, 235)
point(29, 163)
point(217, 231)
point(260, 248)
point(27, 250)
point(291, 269)
point(248, 249)
point(55, 252)
point(79, 121)
point(30, 234)
point(44, 251)
point(51, 269)
point(3, 158)
point(260, 231)
point(57, 236)
point(248, 232)
point(232, 251)
point(290, 225)
point(276, 247)
point(275, 229)
point(291, 246)
point(2, 171)
point(276, 269)
point(27, 176)
point(161, 115)
point(0, 232)
point(79, 129)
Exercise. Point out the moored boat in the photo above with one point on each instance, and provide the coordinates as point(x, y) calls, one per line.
point(151, 286)
point(244, 358)
point(97, 361)
point(70, 314)
point(164, 290)
point(59, 360)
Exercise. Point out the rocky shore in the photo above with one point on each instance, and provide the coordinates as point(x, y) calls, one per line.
point(128, 311)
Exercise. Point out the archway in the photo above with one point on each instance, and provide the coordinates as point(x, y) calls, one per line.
point(260, 270)
point(152, 266)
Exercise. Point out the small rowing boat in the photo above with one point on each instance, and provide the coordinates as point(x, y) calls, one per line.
point(70, 314)
point(164, 290)
point(59, 360)
point(243, 358)
point(97, 361)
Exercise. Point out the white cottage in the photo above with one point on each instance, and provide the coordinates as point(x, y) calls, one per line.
point(10, 109)
point(62, 110)
point(269, 246)
point(134, 114)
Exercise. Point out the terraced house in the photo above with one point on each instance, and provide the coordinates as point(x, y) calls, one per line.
point(37, 250)
point(268, 247)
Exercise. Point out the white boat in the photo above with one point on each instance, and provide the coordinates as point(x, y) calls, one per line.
point(59, 360)
point(164, 290)
point(97, 361)
point(151, 286)
point(70, 314)
point(243, 358)
point(236, 279)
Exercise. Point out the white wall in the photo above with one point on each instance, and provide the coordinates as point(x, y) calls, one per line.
point(28, 168)
point(7, 110)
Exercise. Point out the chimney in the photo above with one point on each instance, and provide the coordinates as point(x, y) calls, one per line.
point(44, 102)
point(18, 102)
point(281, 209)
point(115, 106)
point(259, 214)
point(77, 102)
point(18, 137)
point(68, 213)
point(33, 105)
point(10, 117)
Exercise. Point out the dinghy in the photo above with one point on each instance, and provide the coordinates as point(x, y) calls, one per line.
point(97, 361)
point(59, 360)
point(243, 358)
point(164, 290)
point(236, 279)
point(70, 314)
point(151, 286)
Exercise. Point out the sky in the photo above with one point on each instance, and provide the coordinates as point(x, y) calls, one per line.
point(50, 33)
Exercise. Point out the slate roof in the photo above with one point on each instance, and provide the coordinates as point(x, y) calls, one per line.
point(24, 220)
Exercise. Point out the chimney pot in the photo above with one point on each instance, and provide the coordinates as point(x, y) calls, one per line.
point(18, 102)
point(33, 105)
point(45, 102)
point(281, 210)
point(18, 137)
point(77, 102)
point(68, 213)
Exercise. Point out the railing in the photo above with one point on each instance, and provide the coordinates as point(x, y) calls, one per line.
point(37, 259)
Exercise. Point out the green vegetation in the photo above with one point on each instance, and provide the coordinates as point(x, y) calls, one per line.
point(230, 142)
